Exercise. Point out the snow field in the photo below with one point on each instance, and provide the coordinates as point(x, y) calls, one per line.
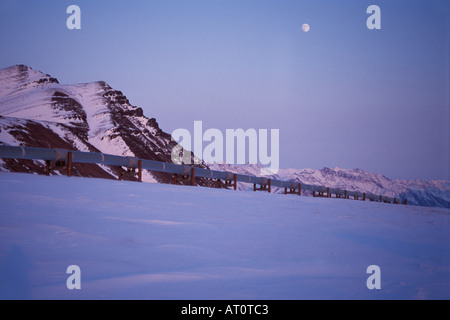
point(154, 241)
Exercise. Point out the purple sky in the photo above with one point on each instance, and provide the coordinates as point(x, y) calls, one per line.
point(340, 94)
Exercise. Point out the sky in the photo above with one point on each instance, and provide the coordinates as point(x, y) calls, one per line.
point(341, 94)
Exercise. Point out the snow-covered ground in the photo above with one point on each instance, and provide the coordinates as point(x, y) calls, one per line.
point(155, 241)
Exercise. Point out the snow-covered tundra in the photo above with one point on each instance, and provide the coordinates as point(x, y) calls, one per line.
point(134, 240)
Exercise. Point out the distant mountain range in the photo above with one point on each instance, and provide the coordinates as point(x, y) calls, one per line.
point(418, 192)
point(37, 111)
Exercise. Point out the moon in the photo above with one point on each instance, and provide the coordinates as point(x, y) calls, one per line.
point(305, 27)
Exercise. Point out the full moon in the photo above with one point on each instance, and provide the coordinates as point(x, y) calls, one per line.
point(305, 27)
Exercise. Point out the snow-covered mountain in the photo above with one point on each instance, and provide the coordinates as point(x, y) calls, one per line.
point(418, 192)
point(37, 111)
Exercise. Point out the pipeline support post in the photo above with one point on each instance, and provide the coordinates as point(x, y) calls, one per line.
point(69, 164)
point(193, 176)
point(140, 170)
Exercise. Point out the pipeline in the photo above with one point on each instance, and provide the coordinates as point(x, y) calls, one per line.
point(67, 158)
